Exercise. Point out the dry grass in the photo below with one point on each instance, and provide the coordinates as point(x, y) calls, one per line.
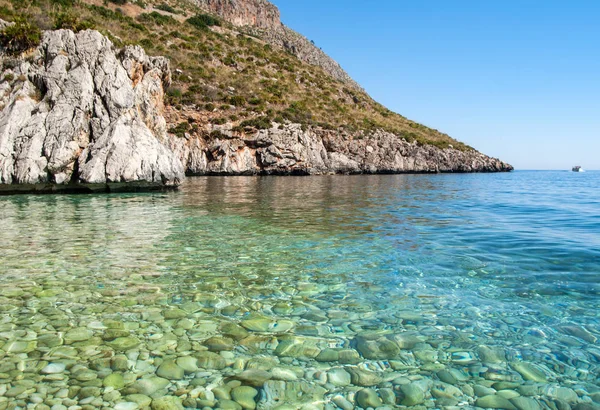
point(237, 76)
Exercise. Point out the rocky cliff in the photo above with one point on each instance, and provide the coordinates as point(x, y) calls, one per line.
point(290, 150)
point(253, 13)
point(76, 114)
point(262, 19)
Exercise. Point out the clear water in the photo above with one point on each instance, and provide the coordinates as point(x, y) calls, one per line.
point(509, 262)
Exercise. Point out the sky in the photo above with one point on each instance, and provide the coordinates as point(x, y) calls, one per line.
point(517, 80)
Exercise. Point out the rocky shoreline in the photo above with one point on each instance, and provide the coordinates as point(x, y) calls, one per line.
point(79, 115)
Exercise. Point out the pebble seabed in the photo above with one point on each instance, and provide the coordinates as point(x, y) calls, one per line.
point(66, 343)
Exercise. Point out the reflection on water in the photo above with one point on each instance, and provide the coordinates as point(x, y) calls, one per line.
point(439, 291)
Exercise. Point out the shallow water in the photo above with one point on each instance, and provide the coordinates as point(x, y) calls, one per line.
point(439, 291)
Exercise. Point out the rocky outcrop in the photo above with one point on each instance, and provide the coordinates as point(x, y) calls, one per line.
point(261, 18)
point(76, 114)
point(288, 149)
point(253, 13)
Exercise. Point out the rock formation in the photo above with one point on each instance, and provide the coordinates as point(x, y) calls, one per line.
point(288, 149)
point(76, 115)
point(253, 13)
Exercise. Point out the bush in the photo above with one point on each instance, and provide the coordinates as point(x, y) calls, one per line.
point(260, 123)
point(180, 129)
point(167, 8)
point(203, 21)
point(156, 18)
point(119, 2)
point(63, 3)
point(218, 121)
point(237, 100)
point(71, 22)
point(146, 43)
point(20, 36)
point(174, 95)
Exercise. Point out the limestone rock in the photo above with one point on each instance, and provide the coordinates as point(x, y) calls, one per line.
point(291, 150)
point(82, 112)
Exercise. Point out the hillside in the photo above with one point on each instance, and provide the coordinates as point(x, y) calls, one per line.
point(243, 95)
point(227, 75)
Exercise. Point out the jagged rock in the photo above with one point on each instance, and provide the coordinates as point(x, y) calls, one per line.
point(80, 112)
point(288, 149)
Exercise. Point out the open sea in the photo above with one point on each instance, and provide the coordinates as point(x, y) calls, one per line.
point(468, 291)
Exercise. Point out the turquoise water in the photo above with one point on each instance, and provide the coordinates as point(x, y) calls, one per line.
point(442, 291)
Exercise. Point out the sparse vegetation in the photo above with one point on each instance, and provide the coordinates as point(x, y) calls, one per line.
point(20, 36)
point(228, 76)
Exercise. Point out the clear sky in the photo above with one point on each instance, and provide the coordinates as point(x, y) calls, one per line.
point(516, 79)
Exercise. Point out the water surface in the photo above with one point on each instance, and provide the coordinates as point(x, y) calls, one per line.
point(462, 286)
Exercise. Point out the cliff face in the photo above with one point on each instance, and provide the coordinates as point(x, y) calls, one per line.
point(75, 113)
point(254, 13)
point(262, 19)
point(288, 149)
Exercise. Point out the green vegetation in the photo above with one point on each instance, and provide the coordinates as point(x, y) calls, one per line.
point(203, 21)
point(20, 36)
point(226, 75)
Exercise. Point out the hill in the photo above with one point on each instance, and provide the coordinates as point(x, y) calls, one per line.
point(240, 76)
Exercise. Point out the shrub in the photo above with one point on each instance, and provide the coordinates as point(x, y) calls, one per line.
point(297, 112)
point(260, 123)
point(180, 129)
point(9, 78)
point(203, 21)
point(119, 2)
point(237, 100)
point(20, 36)
point(146, 43)
point(63, 3)
point(174, 95)
point(167, 8)
point(209, 107)
point(156, 18)
point(218, 121)
point(71, 22)
point(216, 134)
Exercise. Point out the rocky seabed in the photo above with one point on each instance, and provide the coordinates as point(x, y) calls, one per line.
point(71, 342)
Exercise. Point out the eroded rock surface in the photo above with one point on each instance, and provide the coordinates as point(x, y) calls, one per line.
point(77, 113)
point(288, 149)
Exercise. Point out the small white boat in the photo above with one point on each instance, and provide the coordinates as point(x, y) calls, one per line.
point(578, 169)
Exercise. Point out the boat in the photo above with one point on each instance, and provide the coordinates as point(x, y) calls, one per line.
point(578, 169)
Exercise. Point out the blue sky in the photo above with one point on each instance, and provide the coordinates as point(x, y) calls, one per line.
point(519, 80)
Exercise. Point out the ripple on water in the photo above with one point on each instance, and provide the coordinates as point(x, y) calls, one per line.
point(446, 290)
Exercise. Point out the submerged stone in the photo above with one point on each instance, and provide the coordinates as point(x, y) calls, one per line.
point(124, 343)
point(529, 371)
point(266, 325)
point(167, 403)
point(253, 377)
point(368, 398)
point(494, 402)
point(170, 370)
point(244, 396)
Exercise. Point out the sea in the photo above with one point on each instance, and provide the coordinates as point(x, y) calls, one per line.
point(324, 292)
